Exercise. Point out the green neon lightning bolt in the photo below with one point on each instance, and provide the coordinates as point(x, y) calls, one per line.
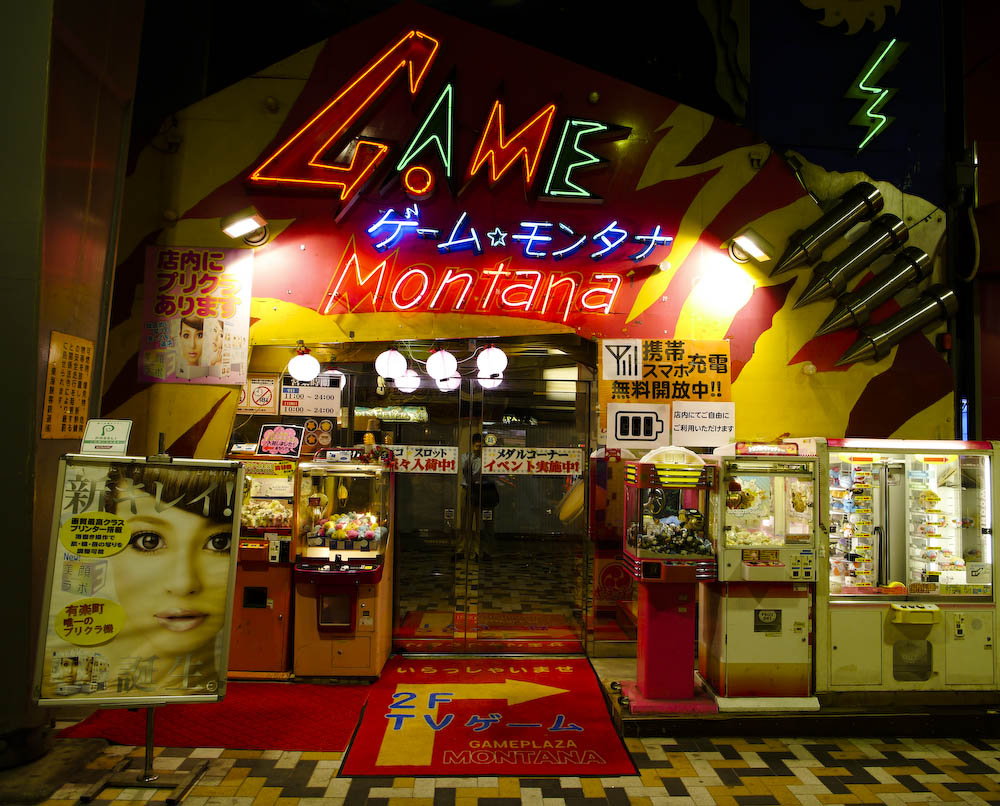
point(867, 87)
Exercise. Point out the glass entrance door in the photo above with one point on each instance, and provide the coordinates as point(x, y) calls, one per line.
point(491, 550)
point(521, 574)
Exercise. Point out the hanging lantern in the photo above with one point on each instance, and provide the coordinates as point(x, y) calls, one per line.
point(490, 381)
point(441, 364)
point(450, 384)
point(408, 381)
point(339, 379)
point(303, 367)
point(390, 364)
point(492, 361)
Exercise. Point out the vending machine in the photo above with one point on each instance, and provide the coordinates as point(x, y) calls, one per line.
point(344, 570)
point(906, 599)
point(260, 645)
point(667, 548)
point(756, 624)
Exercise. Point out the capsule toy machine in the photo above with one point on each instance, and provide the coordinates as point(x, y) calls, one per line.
point(260, 642)
point(906, 599)
point(756, 625)
point(667, 548)
point(344, 570)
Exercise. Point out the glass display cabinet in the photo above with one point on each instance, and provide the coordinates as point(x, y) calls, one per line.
point(907, 600)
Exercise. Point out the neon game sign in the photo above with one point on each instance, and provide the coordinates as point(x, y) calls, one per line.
point(314, 159)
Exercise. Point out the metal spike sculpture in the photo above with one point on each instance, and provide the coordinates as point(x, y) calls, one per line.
point(886, 233)
point(937, 302)
point(861, 202)
point(909, 267)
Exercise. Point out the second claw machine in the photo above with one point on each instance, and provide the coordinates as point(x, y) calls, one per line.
point(668, 551)
point(756, 627)
point(906, 600)
point(344, 570)
point(260, 644)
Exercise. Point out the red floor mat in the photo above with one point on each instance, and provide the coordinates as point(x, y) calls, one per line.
point(253, 716)
point(485, 717)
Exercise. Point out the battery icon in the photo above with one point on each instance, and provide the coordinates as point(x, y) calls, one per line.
point(638, 425)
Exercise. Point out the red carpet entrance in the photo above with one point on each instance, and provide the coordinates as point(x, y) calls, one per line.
point(253, 716)
point(486, 632)
point(486, 717)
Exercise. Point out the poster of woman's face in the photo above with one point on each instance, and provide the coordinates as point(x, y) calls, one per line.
point(141, 589)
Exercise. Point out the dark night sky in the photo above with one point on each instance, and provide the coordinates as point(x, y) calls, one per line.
point(192, 49)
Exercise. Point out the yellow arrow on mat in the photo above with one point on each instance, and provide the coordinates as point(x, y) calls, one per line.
point(412, 745)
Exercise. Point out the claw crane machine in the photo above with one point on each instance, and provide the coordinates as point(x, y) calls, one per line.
point(344, 569)
point(755, 631)
point(668, 551)
point(906, 601)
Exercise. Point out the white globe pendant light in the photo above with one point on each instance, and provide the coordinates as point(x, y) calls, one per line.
point(408, 382)
point(339, 378)
point(303, 367)
point(450, 384)
point(492, 361)
point(390, 364)
point(488, 381)
point(441, 364)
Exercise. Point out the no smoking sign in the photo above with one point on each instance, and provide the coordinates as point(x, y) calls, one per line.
point(259, 395)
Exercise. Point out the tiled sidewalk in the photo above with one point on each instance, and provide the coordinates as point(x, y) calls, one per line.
point(729, 772)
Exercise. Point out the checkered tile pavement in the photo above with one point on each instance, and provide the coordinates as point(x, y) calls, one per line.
point(728, 772)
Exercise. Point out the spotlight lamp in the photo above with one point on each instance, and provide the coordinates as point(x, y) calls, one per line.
point(303, 367)
point(749, 245)
point(247, 224)
point(390, 364)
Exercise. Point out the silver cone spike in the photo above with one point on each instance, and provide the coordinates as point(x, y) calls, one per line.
point(909, 267)
point(830, 279)
point(936, 303)
point(861, 202)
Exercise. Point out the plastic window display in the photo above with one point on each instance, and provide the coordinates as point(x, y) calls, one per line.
point(664, 521)
point(913, 523)
point(343, 511)
point(267, 502)
point(767, 511)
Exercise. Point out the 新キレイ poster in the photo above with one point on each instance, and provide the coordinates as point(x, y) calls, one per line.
point(196, 315)
point(140, 580)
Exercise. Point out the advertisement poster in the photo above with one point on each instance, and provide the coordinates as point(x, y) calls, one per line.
point(196, 315)
point(661, 371)
point(140, 582)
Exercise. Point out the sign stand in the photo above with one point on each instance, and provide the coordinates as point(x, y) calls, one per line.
point(122, 776)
